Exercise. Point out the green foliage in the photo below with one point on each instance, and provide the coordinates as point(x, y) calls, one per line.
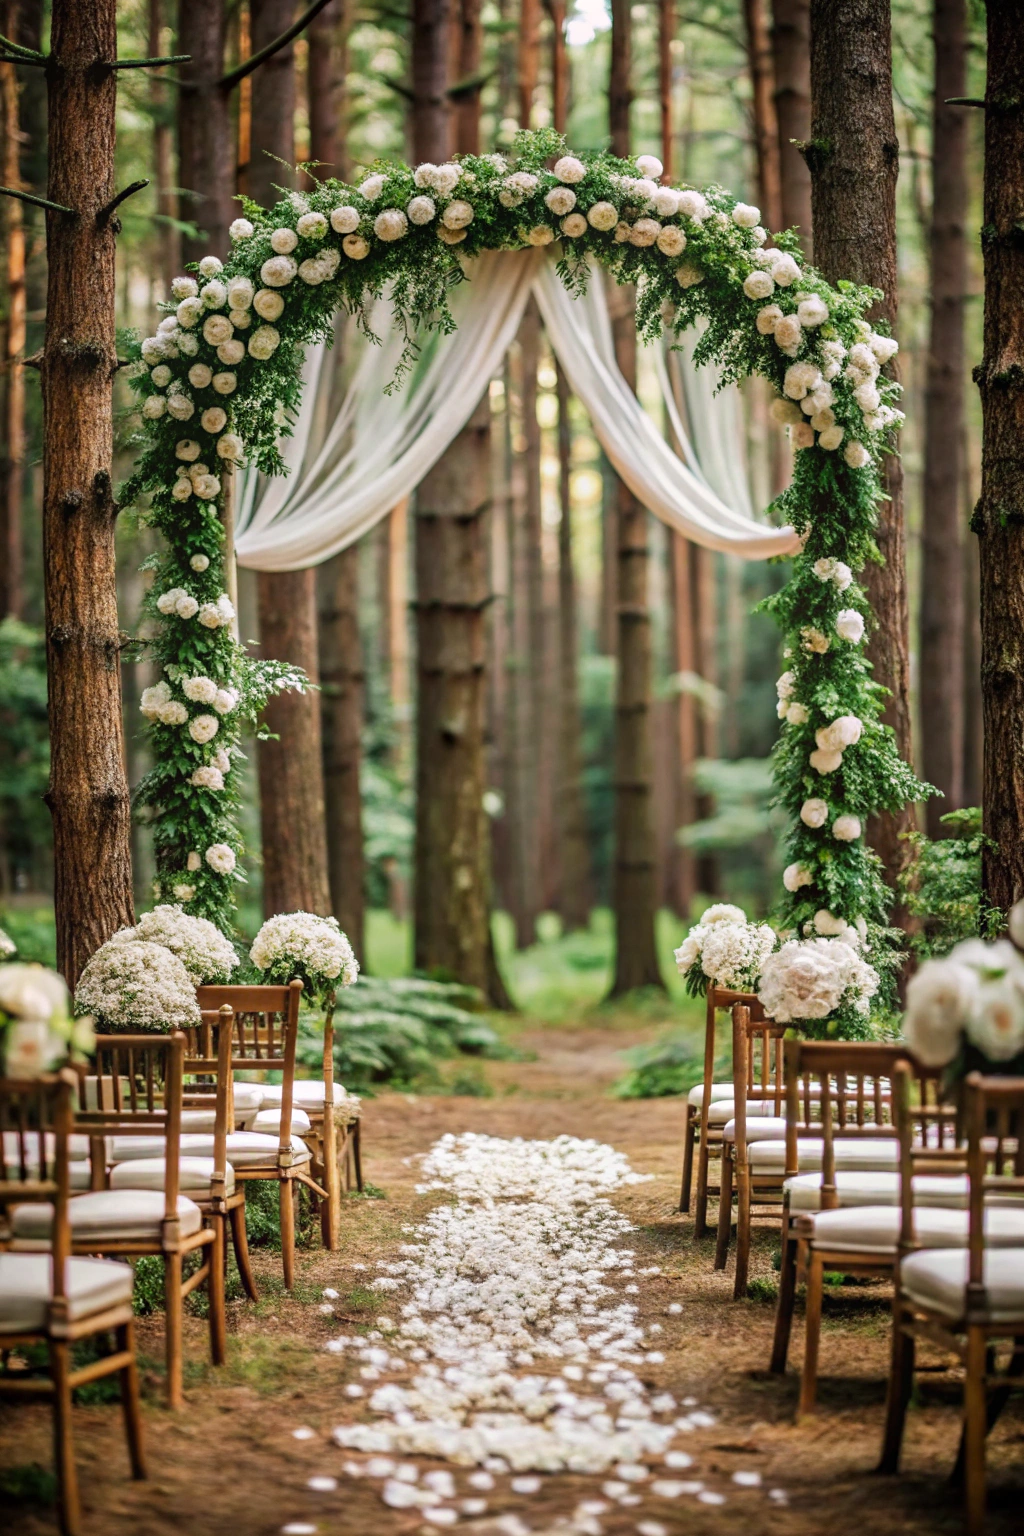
point(33, 931)
point(942, 886)
point(24, 749)
point(762, 1290)
point(29, 1483)
point(660, 1071)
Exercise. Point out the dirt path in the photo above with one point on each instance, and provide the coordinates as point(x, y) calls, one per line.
point(230, 1463)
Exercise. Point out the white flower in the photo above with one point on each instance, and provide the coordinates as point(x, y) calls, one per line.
point(560, 200)
point(846, 829)
point(814, 813)
point(226, 608)
point(603, 216)
point(278, 271)
point(802, 435)
point(214, 295)
point(843, 577)
point(221, 759)
point(154, 699)
point(184, 288)
point(200, 562)
point(833, 352)
point(204, 728)
point(647, 165)
point(422, 210)
point(183, 892)
point(831, 438)
point(201, 690)
point(166, 601)
point(345, 219)
point(644, 232)
point(230, 447)
point(373, 186)
point(224, 700)
point(221, 858)
point(995, 1023)
point(722, 912)
point(569, 169)
point(445, 178)
point(264, 342)
point(796, 714)
point(732, 953)
point(355, 247)
point(850, 625)
point(167, 327)
point(153, 407)
point(390, 224)
point(210, 266)
point(268, 305)
point(828, 926)
point(180, 407)
point(213, 420)
point(188, 312)
point(867, 397)
point(884, 347)
point(153, 349)
point(283, 241)
point(161, 375)
point(693, 205)
point(785, 413)
point(814, 641)
point(856, 455)
point(845, 731)
point(540, 234)
point(312, 226)
point(241, 229)
point(939, 1002)
point(794, 876)
point(194, 471)
point(209, 616)
point(666, 202)
point(825, 760)
point(131, 985)
point(759, 285)
point(224, 383)
point(788, 334)
point(302, 944)
point(199, 375)
point(809, 979)
point(193, 862)
point(200, 946)
point(240, 293)
point(231, 352)
point(458, 214)
point(206, 487)
point(800, 379)
point(173, 713)
point(785, 685)
point(812, 311)
point(574, 226)
point(746, 216)
point(423, 174)
point(207, 777)
point(217, 329)
point(450, 236)
point(186, 607)
point(689, 950)
point(784, 269)
point(689, 274)
point(671, 241)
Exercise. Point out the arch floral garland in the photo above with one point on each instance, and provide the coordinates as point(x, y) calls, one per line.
point(220, 381)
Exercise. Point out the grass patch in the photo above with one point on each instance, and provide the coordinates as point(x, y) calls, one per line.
point(763, 1290)
point(29, 1483)
point(368, 1192)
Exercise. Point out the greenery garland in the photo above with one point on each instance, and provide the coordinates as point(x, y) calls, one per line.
point(219, 383)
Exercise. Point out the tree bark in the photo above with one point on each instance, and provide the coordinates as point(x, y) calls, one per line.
point(168, 242)
point(791, 52)
point(466, 111)
point(574, 843)
point(206, 156)
point(853, 156)
point(325, 79)
point(766, 123)
point(560, 76)
point(941, 684)
point(88, 793)
point(704, 587)
point(12, 466)
point(431, 21)
point(529, 57)
point(533, 671)
point(341, 676)
point(1000, 512)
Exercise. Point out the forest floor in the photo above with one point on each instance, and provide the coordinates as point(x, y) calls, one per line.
point(229, 1461)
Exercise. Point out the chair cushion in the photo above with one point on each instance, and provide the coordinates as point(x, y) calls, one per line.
point(306, 1093)
point(723, 1111)
point(268, 1122)
point(245, 1148)
point(110, 1214)
point(718, 1091)
point(876, 1228)
point(937, 1279)
point(852, 1152)
point(762, 1126)
point(92, 1285)
point(864, 1187)
point(194, 1175)
point(78, 1148)
point(248, 1097)
point(199, 1120)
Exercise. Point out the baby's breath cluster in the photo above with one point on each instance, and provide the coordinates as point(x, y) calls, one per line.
point(221, 378)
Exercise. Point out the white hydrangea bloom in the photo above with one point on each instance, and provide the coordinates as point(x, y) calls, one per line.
point(302, 944)
point(810, 978)
point(199, 944)
point(732, 953)
point(746, 216)
point(131, 986)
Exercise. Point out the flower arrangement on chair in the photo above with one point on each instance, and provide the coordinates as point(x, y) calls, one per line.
point(724, 950)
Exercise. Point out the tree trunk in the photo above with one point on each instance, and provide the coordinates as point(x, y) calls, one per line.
point(467, 68)
point(529, 57)
point(292, 821)
point(574, 843)
point(533, 672)
point(854, 160)
point(341, 676)
point(791, 53)
point(942, 584)
point(704, 587)
point(88, 793)
point(431, 21)
point(1000, 512)
point(766, 123)
point(206, 157)
point(12, 467)
point(168, 242)
point(560, 78)
point(684, 660)
point(325, 81)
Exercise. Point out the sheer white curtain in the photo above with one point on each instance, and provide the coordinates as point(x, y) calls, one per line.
point(348, 475)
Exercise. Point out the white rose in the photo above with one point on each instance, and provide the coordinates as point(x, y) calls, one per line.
point(220, 858)
point(187, 450)
point(784, 269)
point(268, 305)
point(785, 413)
point(241, 229)
point(224, 700)
point(230, 447)
point(647, 165)
point(214, 419)
point(569, 169)
point(802, 435)
point(830, 438)
point(445, 178)
point(813, 640)
point(188, 312)
point(264, 342)
point(666, 202)
point(210, 266)
point(173, 713)
point(224, 383)
point(312, 226)
point(206, 487)
point(746, 216)
point(279, 271)
point(283, 241)
point(181, 490)
point(186, 607)
point(788, 333)
point(693, 205)
point(154, 699)
point(688, 952)
point(845, 731)
point(203, 728)
point(196, 471)
point(199, 375)
point(560, 200)
point(217, 329)
point(209, 616)
point(540, 234)
point(794, 876)
point(201, 690)
point(689, 274)
point(240, 293)
point(355, 247)
point(812, 311)
point(814, 813)
point(459, 213)
point(759, 285)
point(153, 407)
point(671, 241)
point(644, 232)
point(825, 761)
point(796, 714)
point(856, 455)
point(450, 236)
point(884, 347)
point(850, 625)
point(574, 226)
point(231, 352)
point(422, 210)
point(603, 216)
point(345, 219)
point(207, 777)
point(846, 829)
point(180, 407)
point(390, 224)
point(184, 288)
point(200, 563)
point(221, 760)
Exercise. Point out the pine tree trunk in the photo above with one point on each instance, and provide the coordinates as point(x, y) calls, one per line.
point(574, 843)
point(341, 677)
point(88, 793)
point(325, 80)
point(854, 160)
point(560, 78)
point(206, 155)
point(1000, 513)
point(941, 685)
point(791, 52)
point(292, 819)
point(12, 465)
point(529, 57)
point(532, 674)
point(168, 241)
point(704, 586)
point(466, 113)
point(766, 124)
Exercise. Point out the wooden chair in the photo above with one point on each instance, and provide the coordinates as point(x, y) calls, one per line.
point(136, 1108)
point(757, 1078)
point(266, 1023)
point(51, 1298)
point(965, 1300)
point(703, 1127)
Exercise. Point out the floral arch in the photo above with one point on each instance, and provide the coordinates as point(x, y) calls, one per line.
point(221, 378)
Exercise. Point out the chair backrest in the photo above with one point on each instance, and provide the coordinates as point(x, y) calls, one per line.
point(929, 1135)
point(757, 1065)
point(266, 1029)
point(720, 998)
point(994, 1115)
point(208, 1047)
point(138, 1083)
point(35, 1122)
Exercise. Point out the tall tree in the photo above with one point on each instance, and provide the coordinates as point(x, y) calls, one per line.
point(853, 155)
point(167, 238)
point(292, 819)
point(469, 79)
point(12, 465)
point(766, 123)
point(206, 157)
point(88, 793)
point(791, 54)
point(634, 885)
point(1000, 511)
point(941, 684)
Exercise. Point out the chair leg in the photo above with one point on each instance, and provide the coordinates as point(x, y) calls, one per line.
point(173, 1328)
point(684, 1194)
point(130, 1402)
point(215, 1293)
point(739, 1289)
point(901, 1384)
point(331, 1182)
point(812, 1335)
point(784, 1307)
point(700, 1212)
point(975, 1427)
point(240, 1238)
point(724, 1207)
point(63, 1449)
point(287, 1198)
point(357, 1152)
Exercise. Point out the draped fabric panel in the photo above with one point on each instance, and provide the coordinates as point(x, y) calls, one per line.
point(348, 471)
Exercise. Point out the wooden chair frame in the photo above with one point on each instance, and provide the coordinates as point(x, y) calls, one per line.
point(141, 1092)
point(40, 1109)
point(757, 1071)
point(266, 1026)
point(994, 1116)
point(698, 1136)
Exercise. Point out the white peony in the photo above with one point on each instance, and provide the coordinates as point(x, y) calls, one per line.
point(689, 274)
point(345, 219)
point(225, 383)
point(846, 829)
point(666, 202)
point(995, 1022)
point(785, 269)
point(210, 266)
point(826, 760)
point(830, 438)
point(844, 732)
point(268, 305)
point(231, 352)
point(856, 455)
point(814, 813)
point(224, 700)
point(355, 247)
point(201, 690)
point(206, 487)
point(278, 271)
point(671, 241)
point(603, 216)
point(390, 224)
point(209, 616)
point(311, 226)
point(647, 165)
point(809, 979)
point(796, 713)
point(154, 699)
point(180, 407)
point(788, 334)
point(768, 318)
point(812, 311)
point(173, 713)
point(785, 413)
point(759, 285)
point(939, 1000)
point(188, 312)
point(850, 625)
point(795, 876)
point(264, 342)
point(184, 288)
point(746, 216)
point(203, 728)
point(573, 226)
point(884, 347)
point(693, 205)
point(814, 641)
point(540, 234)
point(214, 295)
point(213, 420)
point(161, 375)
point(153, 407)
point(569, 169)
point(422, 210)
point(230, 448)
point(241, 229)
point(644, 232)
point(560, 200)
point(199, 376)
point(200, 562)
point(207, 777)
point(186, 607)
point(800, 379)
point(221, 858)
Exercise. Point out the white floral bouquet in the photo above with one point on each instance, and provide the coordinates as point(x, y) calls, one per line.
point(8, 948)
point(314, 949)
point(199, 944)
point(137, 987)
point(822, 986)
point(723, 949)
point(36, 1027)
point(965, 1012)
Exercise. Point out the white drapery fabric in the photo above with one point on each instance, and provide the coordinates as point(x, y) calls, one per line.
point(347, 474)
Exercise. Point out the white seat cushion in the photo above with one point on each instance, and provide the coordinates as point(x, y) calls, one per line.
point(92, 1285)
point(864, 1187)
point(723, 1111)
point(244, 1148)
point(199, 1120)
point(267, 1122)
point(718, 1091)
point(195, 1175)
point(307, 1093)
point(108, 1214)
point(937, 1278)
point(762, 1126)
point(876, 1228)
point(852, 1152)
point(248, 1097)
point(78, 1148)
